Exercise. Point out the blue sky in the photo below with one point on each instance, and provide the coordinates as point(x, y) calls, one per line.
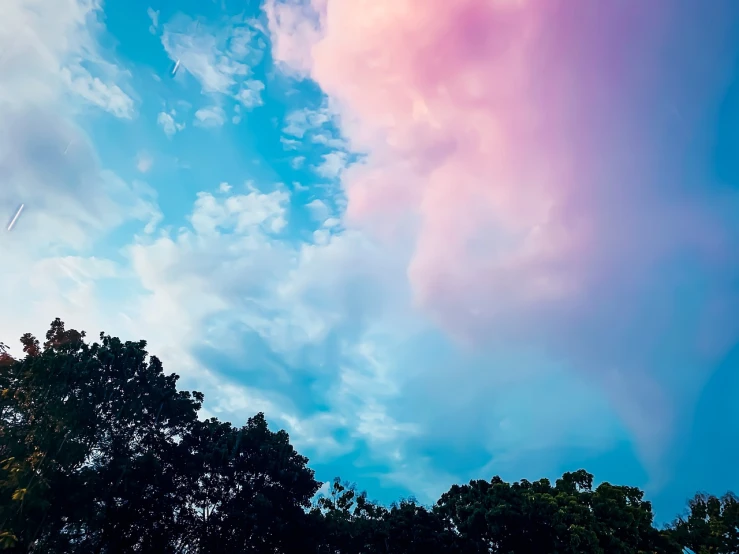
point(296, 231)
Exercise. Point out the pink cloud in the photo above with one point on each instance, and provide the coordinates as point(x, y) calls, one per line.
point(513, 135)
point(470, 111)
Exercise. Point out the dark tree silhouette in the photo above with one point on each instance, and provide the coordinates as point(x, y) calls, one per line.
point(101, 453)
point(711, 525)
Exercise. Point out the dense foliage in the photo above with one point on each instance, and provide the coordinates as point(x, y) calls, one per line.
point(100, 453)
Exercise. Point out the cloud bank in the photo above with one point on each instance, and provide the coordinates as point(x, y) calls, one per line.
point(509, 140)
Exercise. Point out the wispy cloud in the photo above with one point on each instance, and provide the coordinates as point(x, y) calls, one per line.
point(168, 124)
point(144, 162)
point(154, 16)
point(220, 58)
point(332, 164)
point(49, 51)
point(306, 120)
point(210, 117)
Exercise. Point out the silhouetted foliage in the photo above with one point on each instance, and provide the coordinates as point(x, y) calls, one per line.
point(100, 453)
point(711, 525)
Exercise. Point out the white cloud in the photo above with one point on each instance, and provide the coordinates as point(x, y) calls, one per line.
point(240, 213)
point(109, 97)
point(316, 126)
point(167, 122)
point(376, 426)
point(144, 162)
point(220, 58)
point(230, 270)
point(318, 209)
point(236, 119)
point(333, 165)
point(295, 28)
point(297, 161)
point(328, 139)
point(290, 144)
point(69, 200)
point(154, 16)
point(51, 67)
point(50, 51)
point(250, 94)
point(300, 122)
point(210, 117)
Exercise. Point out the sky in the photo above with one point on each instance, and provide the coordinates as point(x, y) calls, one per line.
point(433, 240)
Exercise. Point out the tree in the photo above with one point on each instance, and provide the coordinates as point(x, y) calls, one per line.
point(85, 432)
point(536, 517)
point(101, 453)
point(348, 521)
point(711, 525)
point(253, 488)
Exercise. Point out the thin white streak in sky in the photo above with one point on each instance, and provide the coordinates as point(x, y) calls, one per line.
point(15, 217)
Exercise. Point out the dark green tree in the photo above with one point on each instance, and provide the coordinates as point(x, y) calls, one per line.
point(86, 440)
point(100, 453)
point(348, 521)
point(253, 489)
point(571, 517)
point(711, 525)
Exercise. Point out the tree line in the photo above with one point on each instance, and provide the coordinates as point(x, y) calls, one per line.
point(100, 453)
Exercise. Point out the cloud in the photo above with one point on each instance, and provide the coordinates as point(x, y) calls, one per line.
point(241, 213)
point(290, 144)
point(109, 97)
point(294, 27)
point(250, 94)
point(229, 280)
point(166, 292)
point(221, 58)
point(154, 16)
point(49, 164)
point(144, 162)
point(168, 124)
point(50, 51)
point(227, 277)
point(306, 120)
point(318, 209)
point(210, 117)
point(316, 129)
point(297, 161)
point(540, 213)
point(333, 165)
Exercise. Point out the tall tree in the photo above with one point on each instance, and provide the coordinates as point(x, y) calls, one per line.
point(253, 489)
point(100, 453)
point(571, 517)
point(85, 435)
point(711, 525)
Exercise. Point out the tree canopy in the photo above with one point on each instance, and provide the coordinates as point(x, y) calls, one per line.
point(101, 453)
